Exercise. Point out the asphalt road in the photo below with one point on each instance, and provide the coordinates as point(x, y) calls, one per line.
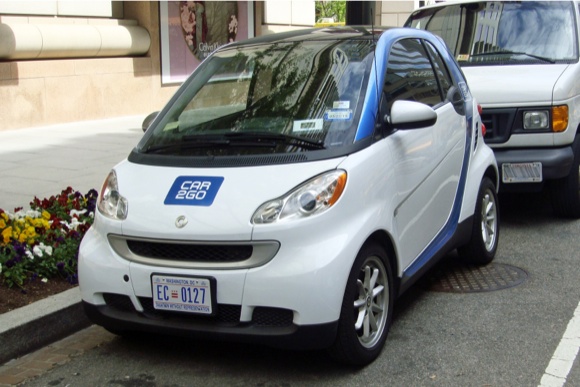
point(499, 338)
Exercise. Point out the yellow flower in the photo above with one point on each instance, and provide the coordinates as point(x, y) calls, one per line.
point(7, 234)
point(46, 215)
point(2, 223)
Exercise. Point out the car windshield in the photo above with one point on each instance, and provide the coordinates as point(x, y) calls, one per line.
point(268, 98)
point(499, 33)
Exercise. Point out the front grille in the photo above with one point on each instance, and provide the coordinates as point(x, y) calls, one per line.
point(498, 123)
point(189, 252)
point(119, 302)
point(227, 315)
point(272, 317)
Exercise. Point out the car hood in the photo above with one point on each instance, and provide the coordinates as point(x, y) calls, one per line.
point(502, 86)
point(153, 209)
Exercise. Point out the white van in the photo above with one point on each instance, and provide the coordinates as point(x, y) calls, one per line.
point(521, 61)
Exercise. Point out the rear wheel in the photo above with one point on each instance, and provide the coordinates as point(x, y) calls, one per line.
point(565, 192)
point(485, 232)
point(367, 308)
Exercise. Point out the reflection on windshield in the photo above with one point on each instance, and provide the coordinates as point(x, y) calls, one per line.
point(505, 32)
point(311, 90)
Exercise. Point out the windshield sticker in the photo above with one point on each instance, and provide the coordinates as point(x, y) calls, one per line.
point(338, 115)
point(462, 57)
point(465, 91)
point(341, 105)
point(194, 190)
point(307, 125)
point(171, 126)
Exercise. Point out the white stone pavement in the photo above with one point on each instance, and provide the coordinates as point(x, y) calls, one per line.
point(45, 160)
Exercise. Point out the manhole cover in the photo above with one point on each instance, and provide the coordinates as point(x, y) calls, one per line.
point(457, 278)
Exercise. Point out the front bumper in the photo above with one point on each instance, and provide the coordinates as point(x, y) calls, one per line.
point(556, 162)
point(291, 301)
point(268, 327)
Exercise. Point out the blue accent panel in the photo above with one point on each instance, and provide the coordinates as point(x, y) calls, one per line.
point(376, 79)
point(194, 190)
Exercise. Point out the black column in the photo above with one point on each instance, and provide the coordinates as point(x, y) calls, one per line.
point(359, 12)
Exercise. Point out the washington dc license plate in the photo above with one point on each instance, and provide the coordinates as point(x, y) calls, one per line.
point(182, 294)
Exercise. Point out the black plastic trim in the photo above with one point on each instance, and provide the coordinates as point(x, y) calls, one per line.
point(246, 160)
point(304, 337)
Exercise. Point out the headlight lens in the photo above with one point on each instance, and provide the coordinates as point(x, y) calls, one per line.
point(111, 203)
point(536, 119)
point(313, 197)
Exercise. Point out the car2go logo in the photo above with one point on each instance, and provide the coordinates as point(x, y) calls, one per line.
point(194, 190)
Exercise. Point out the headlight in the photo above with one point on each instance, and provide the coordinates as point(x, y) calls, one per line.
point(536, 119)
point(313, 197)
point(111, 203)
point(540, 119)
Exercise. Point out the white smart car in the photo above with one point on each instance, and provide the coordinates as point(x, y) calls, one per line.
point(294, 186)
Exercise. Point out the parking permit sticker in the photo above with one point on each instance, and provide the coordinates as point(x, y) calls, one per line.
point(341, 105)
point(338, 115)
point(307, 125)
point(194, 190)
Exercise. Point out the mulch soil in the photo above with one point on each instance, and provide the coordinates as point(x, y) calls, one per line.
point(15, 297)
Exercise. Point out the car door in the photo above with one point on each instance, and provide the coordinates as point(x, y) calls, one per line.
point(427, 161)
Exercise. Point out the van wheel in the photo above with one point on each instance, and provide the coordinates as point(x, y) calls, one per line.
point(367, 308)
point(565, 192)
point(485, 232)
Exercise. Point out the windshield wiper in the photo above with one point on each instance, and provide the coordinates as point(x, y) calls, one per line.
point(248, 139)
point(277, 138)
point(500, 52)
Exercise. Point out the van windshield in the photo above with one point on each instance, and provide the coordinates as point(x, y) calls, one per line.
point(268, 98)
point(502, 32)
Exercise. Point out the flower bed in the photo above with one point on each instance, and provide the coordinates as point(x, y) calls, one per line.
point(42, 242)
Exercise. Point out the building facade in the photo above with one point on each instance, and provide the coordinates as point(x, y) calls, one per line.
point(65, 61)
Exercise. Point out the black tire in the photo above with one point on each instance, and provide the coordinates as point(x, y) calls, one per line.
point(565, 192)
point(358, 341)
point(481, 248)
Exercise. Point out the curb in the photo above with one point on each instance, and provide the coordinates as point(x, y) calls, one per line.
point(33, 326)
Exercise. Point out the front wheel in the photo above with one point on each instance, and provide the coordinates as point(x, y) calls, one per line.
point(367, 309)
point(481, 248)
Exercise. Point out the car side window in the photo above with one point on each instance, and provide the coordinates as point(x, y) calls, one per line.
point(410, 75)
point(442, 72)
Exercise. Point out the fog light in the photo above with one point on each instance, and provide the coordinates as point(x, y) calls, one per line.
point(536, 119)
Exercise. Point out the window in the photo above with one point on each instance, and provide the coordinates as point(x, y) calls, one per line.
point(410, 75)
point(443, 76)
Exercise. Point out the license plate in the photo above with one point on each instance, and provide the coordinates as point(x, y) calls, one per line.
point(183, 294)
point(522, 172)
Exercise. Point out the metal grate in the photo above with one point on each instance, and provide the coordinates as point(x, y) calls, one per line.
point(187, 252)
point(457, 278)
point(272, 317)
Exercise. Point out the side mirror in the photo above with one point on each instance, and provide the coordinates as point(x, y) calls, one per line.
point(411, 115)
point(148, 120)
point(454, 96)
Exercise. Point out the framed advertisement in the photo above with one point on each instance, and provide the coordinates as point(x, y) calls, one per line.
point(191, 30)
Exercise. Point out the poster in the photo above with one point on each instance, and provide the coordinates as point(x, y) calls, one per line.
point(192, 30)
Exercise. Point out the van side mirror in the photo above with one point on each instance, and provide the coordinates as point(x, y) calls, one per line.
point(411, 115)
point(148, 120)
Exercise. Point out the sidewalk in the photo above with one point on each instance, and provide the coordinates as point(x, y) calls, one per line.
point(42, 162)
